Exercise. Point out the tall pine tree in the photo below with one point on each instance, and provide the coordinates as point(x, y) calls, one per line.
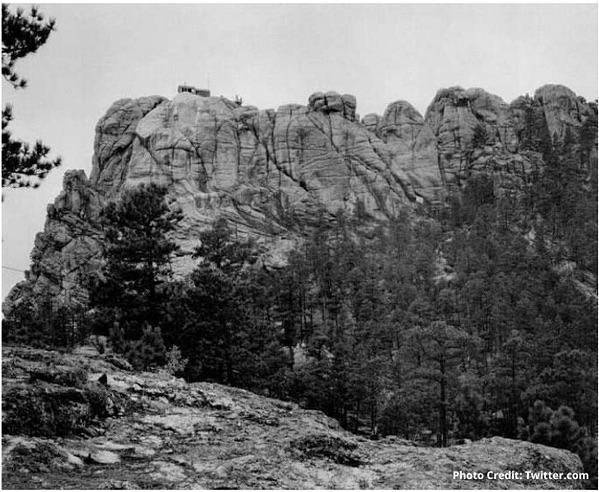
point(22, 34)
point(130, 294)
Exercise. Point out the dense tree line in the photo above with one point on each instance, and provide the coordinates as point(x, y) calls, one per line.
point(458, 325)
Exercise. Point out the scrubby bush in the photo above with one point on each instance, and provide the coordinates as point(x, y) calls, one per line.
point(560, 430)
point(44, 323)
point(76, 377)
point(66, 408)
point(116, 337)
point(104, 402)
point(99, 342)
point(336, 449)
point(35, 412)
point(175, 363)
point(557, 429)
point(542, 433)
point(565, 430)
point(479, 136)
point(587, 451)
point(36, 457)
point(147, 352)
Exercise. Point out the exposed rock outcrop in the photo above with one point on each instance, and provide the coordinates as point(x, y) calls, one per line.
point(562, 108)
point(455, 116)
point(266, 171)
point(115, 134)
point(478, 132)
point(270, 173)
point(332, 102)
point(273, 174)
point(155, 431)
point(414, 149)
point(69, 248)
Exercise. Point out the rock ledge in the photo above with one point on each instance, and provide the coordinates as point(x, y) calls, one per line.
point(196, 436)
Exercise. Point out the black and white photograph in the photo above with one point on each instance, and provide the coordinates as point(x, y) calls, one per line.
point(299, 246)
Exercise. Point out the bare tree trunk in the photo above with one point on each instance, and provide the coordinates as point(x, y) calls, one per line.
point(513, 416)
point(443, 405)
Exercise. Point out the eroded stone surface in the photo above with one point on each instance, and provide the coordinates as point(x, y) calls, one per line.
point(562, 108)
point(204, 435)
point(69, 248)
point(455, 114)
point(414, 148)
point(273, 174)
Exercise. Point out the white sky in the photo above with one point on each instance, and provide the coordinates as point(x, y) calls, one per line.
point(273, 55)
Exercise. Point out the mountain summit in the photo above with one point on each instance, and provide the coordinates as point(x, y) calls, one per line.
point(273, 173)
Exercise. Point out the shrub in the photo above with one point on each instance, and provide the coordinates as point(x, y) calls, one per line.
point(99, 342)
point(36, 457)
point(565, 430)
point(480, 136)
point(542, 434)
point(42, 323)
point(116, 336)
point(105, 403)
point(587, 451)
point(336, 449)
point(35, 412)
point(147, 352)
point(175, 363)
point(560, 430)
point(49, 411)
point(66, 377)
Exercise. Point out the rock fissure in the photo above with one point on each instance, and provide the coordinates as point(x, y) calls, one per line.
point(217, 158)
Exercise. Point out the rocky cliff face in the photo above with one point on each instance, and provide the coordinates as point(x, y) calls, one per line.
point(153, 431)
point(413, 146)
point(455, 116)
point(272, 174)
point(562, 109)
point(70, 247)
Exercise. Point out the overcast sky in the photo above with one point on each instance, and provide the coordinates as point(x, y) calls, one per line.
point(273, 55)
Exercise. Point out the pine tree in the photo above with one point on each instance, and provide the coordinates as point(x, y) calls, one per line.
point(588, 137)
point(479, 136)
point(507, 380)
point(219, 248)
point(44, 322)
point(216, 335)
point(148, 351)
point(131, 290)
point(442, 347)
point(22, 35)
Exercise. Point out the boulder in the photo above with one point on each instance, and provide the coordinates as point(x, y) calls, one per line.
point(371, 121)
point(333, 102)
point(103, 458)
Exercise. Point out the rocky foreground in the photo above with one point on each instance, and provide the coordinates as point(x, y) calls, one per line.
point(86, 421)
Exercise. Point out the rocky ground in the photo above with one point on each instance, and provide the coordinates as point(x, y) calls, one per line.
point(150, 430)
